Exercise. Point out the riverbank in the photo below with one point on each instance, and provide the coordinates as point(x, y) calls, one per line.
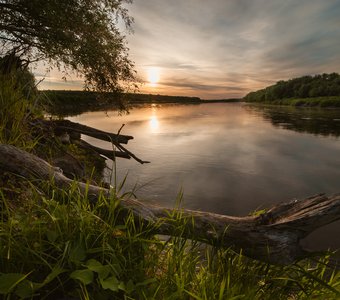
point(321, 102)
point(322, 90)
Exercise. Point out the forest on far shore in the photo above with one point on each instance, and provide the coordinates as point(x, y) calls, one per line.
point(325, 85)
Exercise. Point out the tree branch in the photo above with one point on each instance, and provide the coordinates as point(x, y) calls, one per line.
point(273, 236)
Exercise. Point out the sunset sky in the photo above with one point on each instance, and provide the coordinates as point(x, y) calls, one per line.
point(226, 48)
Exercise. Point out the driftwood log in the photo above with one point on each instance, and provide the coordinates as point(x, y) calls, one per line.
point(60, 127)
point(67, 125)
point(272, 236)
point(107, 153)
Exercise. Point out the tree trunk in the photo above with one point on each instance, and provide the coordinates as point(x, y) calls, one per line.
point(110, 154)
point(61, 127)
point(66, 125)
point(272, 236)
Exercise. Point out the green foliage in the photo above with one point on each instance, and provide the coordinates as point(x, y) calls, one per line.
point(18, 102)
point(306, 87)
point(60, 245)
point(82, 35)
point(68, 247)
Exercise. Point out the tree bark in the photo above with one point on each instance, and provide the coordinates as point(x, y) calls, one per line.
point(110, 154)
point(272, 236)
point(67, 125)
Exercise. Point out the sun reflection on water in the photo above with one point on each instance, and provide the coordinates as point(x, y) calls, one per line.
point(154, 123)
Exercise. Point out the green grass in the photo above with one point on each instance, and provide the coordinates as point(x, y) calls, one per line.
point(55, 243)
point(19, 104)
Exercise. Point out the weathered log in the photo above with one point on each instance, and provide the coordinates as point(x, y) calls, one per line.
point(107, 153)
point(67, 125)
point(272, 236)
point(72, 129)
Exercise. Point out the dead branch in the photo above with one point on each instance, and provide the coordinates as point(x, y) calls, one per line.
point(110, 154)
point(67, 125)
point(273, 236)
point(70, 128)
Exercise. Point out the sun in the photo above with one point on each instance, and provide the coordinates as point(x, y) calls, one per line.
point(153, 76)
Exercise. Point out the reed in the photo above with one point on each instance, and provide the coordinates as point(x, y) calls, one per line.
point(60, 244)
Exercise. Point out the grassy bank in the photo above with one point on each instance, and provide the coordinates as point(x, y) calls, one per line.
point(322, 102)
point(57, 244)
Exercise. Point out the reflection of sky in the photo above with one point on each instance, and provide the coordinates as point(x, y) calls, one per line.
point(227, 159)
point(221, 49)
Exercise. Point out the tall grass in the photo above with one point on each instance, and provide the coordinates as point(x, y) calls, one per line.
point(18, 101)
point(58, 244)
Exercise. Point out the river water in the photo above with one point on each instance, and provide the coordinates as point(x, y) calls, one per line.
point(228, 158)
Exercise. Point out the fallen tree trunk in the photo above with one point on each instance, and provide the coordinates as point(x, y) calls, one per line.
point(110, 154)
point(272, 236)
point(61, 127)
point(67, 125)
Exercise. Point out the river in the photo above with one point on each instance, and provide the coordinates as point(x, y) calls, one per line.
point(228, 158)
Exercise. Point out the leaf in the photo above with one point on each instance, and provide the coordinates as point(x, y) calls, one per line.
point(130, 287)
point(121, 286)
point(56, 271)
point(111, 283)
point(146, 282)
point(84, 276)
point(52, 236)
point(9, 281)
point(96, 266)
point(77, 253)
point(25, 289)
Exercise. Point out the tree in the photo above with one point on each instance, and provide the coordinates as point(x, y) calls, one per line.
point(80, 35)
point(302, 87)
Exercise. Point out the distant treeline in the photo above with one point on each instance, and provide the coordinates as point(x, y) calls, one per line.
point(87, 97)
point(75, 102)
point(325, 86)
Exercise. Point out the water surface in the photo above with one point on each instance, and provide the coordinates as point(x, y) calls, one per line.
point(228, 158)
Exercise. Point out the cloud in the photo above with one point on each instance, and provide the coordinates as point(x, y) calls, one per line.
point(226, 48)
point(187, 83)
point(244, 44)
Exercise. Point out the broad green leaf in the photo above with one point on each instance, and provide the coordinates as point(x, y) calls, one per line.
point(85, 276)
point(130, 287)
point(111, 283)
point(9, 281)
point(77, 253)
point(96, 266)
point(121, 286)
point(93, 264)
point(25, 289)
